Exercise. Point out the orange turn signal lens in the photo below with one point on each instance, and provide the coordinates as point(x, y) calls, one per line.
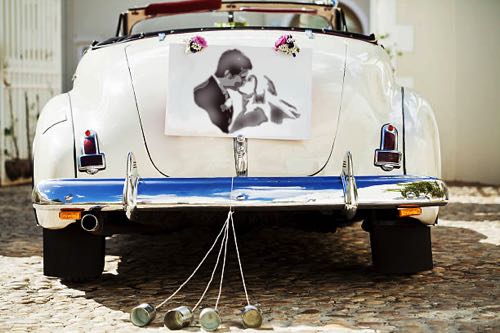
point(70, 214)
point(409, 211)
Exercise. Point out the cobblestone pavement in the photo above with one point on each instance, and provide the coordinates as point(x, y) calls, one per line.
point(304, 281)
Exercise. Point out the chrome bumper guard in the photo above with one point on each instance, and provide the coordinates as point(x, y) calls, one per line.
point(347, 192)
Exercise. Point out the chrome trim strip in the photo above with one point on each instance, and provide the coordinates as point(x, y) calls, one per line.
point(240, 147)
point(349, 186)
point(130, 186)
point(54, 124)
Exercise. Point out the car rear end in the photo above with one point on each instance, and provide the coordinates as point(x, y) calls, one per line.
point(125, 169)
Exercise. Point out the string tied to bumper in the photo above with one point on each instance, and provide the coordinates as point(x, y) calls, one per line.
point(209, 317)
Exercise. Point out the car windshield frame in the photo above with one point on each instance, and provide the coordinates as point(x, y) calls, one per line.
point(327, 10)
point(134, 15)
point(244, 19)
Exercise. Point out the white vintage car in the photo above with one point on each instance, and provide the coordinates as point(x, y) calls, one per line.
point(200, 106)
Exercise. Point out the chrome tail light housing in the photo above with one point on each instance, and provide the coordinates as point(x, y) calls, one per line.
point(91, 160)
point(388, 157)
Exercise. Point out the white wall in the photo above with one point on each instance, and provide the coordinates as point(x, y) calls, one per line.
point(452, 57)
point(478, 90)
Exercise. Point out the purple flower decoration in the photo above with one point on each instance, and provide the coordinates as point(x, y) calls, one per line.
point(286, 44)
point(196, 44)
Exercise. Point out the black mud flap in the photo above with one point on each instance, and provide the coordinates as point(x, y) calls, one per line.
point(72, 253)
point(401, 247)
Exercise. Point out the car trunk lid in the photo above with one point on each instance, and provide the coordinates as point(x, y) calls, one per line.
point(183, 155)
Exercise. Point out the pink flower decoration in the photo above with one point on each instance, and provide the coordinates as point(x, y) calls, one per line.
point(280, 41)
point(196, 44)
point(200, 41)
point(286, 44)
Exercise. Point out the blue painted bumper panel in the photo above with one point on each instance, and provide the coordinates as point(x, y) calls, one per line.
point(165, 193)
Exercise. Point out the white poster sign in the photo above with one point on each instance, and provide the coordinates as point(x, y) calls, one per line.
point(230, 91)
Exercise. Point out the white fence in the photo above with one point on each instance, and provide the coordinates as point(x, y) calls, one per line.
point(30, 73)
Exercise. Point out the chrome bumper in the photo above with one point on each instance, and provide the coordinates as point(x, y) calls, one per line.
point(345, 192)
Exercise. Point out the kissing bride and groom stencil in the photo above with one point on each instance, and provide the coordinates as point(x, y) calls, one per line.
point(230, 91)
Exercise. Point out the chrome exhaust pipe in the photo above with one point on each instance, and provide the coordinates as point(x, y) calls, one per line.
point(90, 223)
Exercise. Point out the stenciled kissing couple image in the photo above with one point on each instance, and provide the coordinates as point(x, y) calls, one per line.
point(259, 98)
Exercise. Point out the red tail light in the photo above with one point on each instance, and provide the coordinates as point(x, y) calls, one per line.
point(388, 157)
point(89, 146)
point(389, 140)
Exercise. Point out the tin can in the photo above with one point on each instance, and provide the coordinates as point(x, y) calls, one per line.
point(142, 314)
point(251, 317)
point(210, 319)
point(178, 318)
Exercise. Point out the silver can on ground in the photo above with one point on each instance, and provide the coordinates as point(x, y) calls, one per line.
point(251, 317)
point(178, 318)
point(143, 314)
point(210, 319)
